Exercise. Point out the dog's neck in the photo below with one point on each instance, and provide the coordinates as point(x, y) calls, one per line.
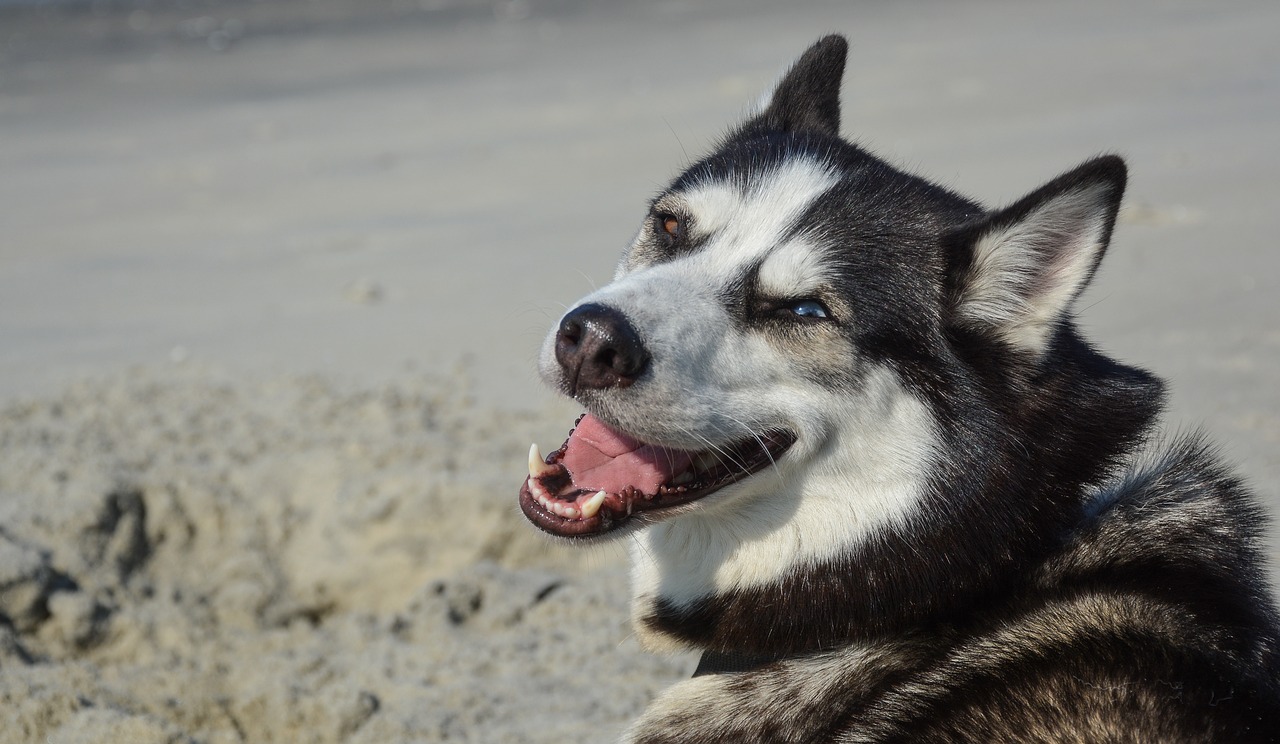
point(696, 588)
point(726, 581)
point(911, 540)
point(869, 478)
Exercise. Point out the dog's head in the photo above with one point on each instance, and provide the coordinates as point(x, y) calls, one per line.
point(786, 290)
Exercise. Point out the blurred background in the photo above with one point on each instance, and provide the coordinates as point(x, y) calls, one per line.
point(208, 195)
point(349, 187)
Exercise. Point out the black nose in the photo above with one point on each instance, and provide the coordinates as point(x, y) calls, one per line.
point(598, 348)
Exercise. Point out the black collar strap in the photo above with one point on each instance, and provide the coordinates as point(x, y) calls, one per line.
point(716, 662)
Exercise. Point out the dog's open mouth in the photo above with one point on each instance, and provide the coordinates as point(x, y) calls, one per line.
point(600, 477)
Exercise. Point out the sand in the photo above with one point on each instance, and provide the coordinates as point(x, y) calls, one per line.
point(273, 277)
point(188, 559)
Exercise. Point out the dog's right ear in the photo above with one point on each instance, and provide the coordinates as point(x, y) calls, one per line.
point(807, 98)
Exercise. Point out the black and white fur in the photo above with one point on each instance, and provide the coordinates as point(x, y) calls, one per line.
point(963, 544)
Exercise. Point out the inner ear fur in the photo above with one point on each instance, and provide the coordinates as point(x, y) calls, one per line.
point(1015, 273)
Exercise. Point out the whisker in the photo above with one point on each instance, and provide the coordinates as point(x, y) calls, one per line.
point(711, 447)
point(678, 142)
point(642, 547)
point(586, 276)
point(772, 462)
point(722, 454)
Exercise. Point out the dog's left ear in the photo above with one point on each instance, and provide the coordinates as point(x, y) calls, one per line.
point(807, 98)
point(1016, 272)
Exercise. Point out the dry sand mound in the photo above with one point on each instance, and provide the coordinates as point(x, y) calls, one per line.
point(186, 560)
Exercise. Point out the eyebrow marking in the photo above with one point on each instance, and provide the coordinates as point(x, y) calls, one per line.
point(744, 224)
point(795, 269)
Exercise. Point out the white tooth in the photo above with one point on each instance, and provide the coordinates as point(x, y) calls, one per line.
point(591, 506)
point(534, 458)
point(537, 466)
point(570, 512)
point(683, 478)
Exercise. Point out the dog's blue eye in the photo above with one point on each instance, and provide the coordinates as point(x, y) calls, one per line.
point(808, 309)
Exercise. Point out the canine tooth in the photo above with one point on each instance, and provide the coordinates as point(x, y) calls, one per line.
point(538, 468)
point(535, 459)
point(591, 506)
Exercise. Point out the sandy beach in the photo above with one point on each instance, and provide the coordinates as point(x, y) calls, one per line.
point(273, 278)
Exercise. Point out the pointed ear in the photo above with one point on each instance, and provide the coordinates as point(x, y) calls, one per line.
point(1015, 273)
point(807, 98)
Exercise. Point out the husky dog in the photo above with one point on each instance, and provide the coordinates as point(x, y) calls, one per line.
point(872, 471)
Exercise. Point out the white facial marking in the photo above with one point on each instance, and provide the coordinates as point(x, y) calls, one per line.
point(795, 270)
point(747, 224)
point(697, 368)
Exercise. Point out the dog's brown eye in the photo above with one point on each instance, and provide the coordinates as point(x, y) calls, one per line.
point(669, 224)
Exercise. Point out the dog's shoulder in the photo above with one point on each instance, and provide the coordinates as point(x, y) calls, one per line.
point(1180, 528)
point(1151, 623)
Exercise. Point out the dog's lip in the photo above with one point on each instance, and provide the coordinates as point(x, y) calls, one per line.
point(550, 486)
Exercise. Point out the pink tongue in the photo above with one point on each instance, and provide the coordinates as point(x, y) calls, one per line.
point(601, 459)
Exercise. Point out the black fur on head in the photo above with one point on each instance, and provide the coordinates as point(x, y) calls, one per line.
point(979, 324)
point(808, 96)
